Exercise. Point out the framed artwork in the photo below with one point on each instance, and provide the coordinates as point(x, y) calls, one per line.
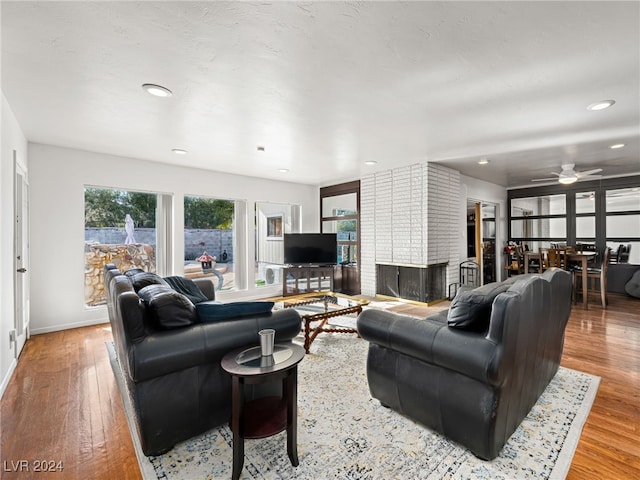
point(274, 226)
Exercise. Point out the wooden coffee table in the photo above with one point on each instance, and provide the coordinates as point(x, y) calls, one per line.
point(264, 416)
point(320, 307)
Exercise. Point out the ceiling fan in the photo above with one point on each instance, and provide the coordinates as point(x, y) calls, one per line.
point(568, 175)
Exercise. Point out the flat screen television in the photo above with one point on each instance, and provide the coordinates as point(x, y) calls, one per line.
point(310, 248)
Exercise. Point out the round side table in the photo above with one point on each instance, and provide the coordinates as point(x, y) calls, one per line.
point(265, 416)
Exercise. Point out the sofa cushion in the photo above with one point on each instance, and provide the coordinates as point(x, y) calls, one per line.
point(187, 287)
point(133, 271)
point(632, 287)
point(167, 308)
point(471, 309)
point(143, 279)
point(214, 311)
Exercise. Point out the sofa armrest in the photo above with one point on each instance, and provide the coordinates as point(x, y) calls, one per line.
point(433, 342)
point(164, 352)
point(207, 287)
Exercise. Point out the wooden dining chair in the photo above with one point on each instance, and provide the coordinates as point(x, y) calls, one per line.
point(515, 266)
point(593, 275)
point(543, 259)
point(557, 257)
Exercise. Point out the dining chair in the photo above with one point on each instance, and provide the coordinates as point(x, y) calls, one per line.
point(543, 258)
point(557, 257)
point(516, 261)
point(593, 275)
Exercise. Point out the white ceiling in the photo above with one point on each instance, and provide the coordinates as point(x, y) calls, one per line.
point(326, 86)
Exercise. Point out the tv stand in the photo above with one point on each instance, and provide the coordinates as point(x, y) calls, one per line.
point(307, 278)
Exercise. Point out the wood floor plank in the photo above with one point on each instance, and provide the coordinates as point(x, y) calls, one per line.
point(63, 404)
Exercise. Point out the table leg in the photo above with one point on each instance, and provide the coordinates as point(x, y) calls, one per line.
point(585, 290)
point(307, 333)
point(291, 388)
point(237, 425)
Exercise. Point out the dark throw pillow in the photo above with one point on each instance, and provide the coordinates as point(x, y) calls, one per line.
point(168, 308)
point(471, 310)
point(215, 312)
point(133, 271)
point(143, 279)
point(187, 287)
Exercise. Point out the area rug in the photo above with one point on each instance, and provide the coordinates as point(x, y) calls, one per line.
point(344, 433)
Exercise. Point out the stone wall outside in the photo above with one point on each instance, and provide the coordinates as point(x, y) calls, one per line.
point(124, 257)
point(216, 242)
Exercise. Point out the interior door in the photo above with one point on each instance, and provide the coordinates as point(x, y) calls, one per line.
point(481, 238)
point(488, 242)
point(21, 257)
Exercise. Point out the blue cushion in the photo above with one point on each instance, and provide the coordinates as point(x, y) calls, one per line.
point(213, 311)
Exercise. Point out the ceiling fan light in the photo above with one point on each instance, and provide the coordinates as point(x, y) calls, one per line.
point(567, 179)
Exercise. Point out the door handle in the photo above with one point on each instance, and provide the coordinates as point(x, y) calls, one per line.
point(21, 270)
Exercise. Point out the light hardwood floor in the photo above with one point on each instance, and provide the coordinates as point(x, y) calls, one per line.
point(62, 404)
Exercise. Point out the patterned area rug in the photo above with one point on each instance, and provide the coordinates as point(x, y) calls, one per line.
point(344, 433)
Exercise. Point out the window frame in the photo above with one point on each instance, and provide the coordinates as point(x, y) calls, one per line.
point(600, 188)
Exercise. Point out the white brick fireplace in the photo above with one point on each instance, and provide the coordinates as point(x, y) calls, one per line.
point(409, 218)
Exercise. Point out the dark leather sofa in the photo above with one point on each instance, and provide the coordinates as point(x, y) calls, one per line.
point(177, 385)
point(472, 373)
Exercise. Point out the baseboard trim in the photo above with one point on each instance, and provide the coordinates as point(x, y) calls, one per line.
point(68, 326)
point(7, 377)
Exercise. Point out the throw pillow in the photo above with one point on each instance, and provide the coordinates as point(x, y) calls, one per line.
point(167, 308)
point(141, 280)
point(187, 287)
point(471, 310)
point(632, 287)
point(132, 271)
point(214, 311)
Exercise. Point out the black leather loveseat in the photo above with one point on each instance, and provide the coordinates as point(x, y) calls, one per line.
point(472, 373)
point(173, 373)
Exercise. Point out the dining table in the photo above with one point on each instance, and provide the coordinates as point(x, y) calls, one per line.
point(582, 257)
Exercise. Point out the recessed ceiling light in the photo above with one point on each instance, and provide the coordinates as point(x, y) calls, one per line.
point(370, 162)
point(483, 161)
point(601, 105)
point(179, 151)
point(283, 170)
point(617, 145)
point(157, 90)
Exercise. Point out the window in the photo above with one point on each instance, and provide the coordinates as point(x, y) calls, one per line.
point(538, 221)
point(120, 228)
point(272, 221)
point(586, 217)
point(210, 240)
point(601, 213)
point(339, 210)
point(340, 216)
point(623, 223)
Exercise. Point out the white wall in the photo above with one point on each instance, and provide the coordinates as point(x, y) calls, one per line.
point(58, 176)
point(12, 139)
point(479, 190)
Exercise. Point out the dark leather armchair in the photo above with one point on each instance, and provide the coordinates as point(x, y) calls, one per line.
point(177, 385)
point(474, 386)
